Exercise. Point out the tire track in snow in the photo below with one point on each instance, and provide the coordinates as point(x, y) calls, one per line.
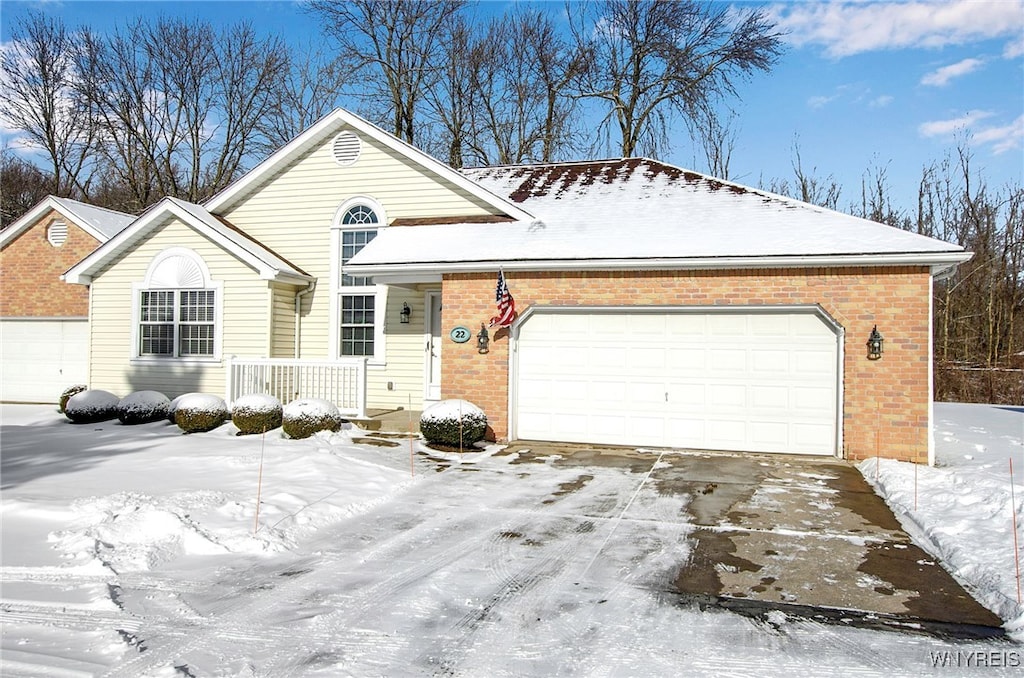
point(236, 617)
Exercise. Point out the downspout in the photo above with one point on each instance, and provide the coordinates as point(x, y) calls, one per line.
point(298, 315)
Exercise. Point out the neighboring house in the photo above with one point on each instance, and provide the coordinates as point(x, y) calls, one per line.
point(44, 322)
point(656, 306)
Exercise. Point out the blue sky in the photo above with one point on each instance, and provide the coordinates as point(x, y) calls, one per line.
point(885, 85)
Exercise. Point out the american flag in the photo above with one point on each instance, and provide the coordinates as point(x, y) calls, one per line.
point(506, 304)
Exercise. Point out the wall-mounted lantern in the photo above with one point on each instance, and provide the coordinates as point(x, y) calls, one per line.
point(483, 340)
point(875, 342)
point(405, 314)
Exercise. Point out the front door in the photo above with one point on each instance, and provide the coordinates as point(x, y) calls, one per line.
point(434, 345)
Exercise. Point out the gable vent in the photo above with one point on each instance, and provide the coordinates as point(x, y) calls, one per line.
point(57, 233)
point(346, 148)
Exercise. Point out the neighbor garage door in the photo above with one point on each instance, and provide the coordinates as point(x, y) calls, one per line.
point(755, 380)
point(40, 358)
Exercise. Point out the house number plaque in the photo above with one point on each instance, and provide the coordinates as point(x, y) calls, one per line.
point(460, 334)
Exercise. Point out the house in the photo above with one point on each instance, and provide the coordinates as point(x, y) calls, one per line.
point(44, 322)
point(656, 306)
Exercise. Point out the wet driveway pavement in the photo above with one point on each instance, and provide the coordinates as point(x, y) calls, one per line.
point(806, 536)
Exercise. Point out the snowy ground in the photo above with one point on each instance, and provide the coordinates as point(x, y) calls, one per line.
point(136, 551)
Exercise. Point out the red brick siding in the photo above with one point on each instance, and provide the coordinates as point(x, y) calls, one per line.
point(30, 270)
point(885, 402)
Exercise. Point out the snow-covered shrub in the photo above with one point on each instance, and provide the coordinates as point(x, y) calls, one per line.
point(256, 413)
point(142, 407)
point(198, 412)
point(68, 392)
point(173, 407)
point(458, 423)
point(91, 406)
point(302, 418)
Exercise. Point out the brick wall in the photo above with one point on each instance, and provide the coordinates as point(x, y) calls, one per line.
point(30, 270)
point(885, 402)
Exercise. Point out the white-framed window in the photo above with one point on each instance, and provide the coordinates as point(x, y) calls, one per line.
point(176, 309)
point(359, 304)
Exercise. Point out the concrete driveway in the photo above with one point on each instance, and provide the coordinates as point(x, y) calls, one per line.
point(803, 535)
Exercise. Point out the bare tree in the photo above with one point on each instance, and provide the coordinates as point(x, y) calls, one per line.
point(653, 60)
point(24, 185)
point(309, 89)
point(179, 103)
point(717, 138)
point(824, 192)
point(38, 71)
point(452, 98)
point(395, 45)
point(502, 92)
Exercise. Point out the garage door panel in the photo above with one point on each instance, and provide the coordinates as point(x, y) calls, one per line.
point(685, 358)
point(686, 394)
point(813, 400)
point(607, 356)
point(727, 396)
point(746, 381)
point(769, 397)
point(646, 358)
point(726, 431)
point(769, 360)
point(814, 362)
point(728, 360)
point(727, 325)
point(40, 358)
point(769, 434)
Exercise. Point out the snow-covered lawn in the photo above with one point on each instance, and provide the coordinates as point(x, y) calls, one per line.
point(132, 550)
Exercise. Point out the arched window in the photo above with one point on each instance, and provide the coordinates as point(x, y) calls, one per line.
point(358, 299)
point(176, 308)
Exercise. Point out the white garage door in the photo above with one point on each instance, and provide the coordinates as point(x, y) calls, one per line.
point(41, 358)
point(756, 381)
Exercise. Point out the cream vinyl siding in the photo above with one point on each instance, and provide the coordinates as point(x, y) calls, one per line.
point(292, 214)
point(405, 347)
point(282, 323)
point(244, 302)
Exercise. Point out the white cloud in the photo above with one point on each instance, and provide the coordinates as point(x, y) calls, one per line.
point(1001, 138)
point(941, 128)
point(847, 28)
point(881, 101)
point(817, 102)
point(1014, 48)
point(941, 77)
point(1004, 138)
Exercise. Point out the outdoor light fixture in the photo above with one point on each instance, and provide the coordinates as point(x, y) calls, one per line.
point(405, 314)
point(875, 344)
point(483, 340)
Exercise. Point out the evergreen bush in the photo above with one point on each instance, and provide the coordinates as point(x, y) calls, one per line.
point(197, 412)
point(142, 407)
point(455, 423)
point(302, 418)
point(91, 406)
point(256, 413)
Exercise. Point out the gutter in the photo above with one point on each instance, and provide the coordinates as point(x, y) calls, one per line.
point(298, 315)
point(940, 262)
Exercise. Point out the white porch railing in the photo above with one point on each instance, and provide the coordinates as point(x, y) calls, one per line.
point(342, 382)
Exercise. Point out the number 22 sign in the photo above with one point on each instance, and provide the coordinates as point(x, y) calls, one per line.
point(460, 334)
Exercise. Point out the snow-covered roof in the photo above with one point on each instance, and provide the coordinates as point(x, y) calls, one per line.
point(99, 222)
point(640, 213)
point(269, 265)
